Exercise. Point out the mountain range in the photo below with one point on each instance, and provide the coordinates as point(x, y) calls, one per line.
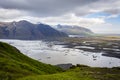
point(74, 30)
point(28, 31)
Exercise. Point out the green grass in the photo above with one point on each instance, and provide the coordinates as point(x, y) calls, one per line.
point(68, 75)
point(16, 66)
point(81, 73)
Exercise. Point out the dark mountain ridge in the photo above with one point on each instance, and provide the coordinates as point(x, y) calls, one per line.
point(28, 31)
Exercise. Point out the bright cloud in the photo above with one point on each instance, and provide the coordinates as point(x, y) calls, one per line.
point(67, 12)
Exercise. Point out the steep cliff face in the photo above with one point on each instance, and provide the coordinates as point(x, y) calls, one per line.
point(26, 30)
point(49, 31)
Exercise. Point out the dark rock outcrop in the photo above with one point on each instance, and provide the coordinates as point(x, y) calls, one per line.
point(65, 66)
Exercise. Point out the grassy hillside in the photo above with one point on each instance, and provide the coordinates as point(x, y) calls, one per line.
point(14, 64)
point(81, 73)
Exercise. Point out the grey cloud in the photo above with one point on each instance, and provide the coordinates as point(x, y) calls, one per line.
point(113, 11)
point(13, 4)
point(45, 7)
point(48, 8)
point(111, 7)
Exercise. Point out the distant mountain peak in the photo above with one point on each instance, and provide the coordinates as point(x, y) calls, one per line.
point(26, 30)
point(24, 22)
point(74, 30)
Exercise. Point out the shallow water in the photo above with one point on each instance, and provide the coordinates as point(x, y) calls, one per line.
point(50, 53)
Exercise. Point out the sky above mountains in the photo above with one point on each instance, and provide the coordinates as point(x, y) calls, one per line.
point(101, 16)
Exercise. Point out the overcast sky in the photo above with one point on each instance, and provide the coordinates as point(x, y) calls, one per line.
point(101, 16)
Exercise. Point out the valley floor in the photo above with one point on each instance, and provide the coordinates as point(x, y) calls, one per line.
point(16, 66)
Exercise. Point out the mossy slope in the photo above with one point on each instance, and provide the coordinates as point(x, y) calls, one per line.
point(81, 73)
point(14, 64)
